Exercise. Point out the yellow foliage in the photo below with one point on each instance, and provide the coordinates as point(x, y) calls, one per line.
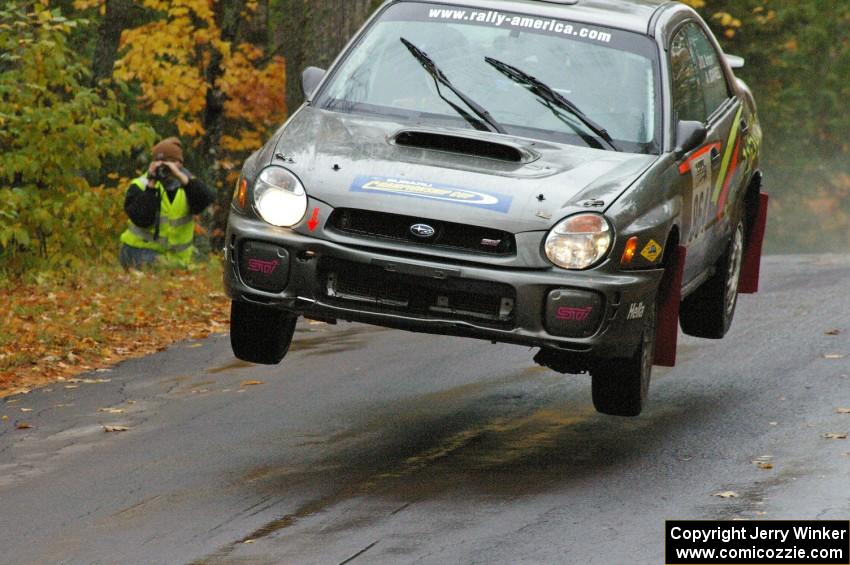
point(163, 57)
point(255, 95)
point(170, 59)
point(86, 4)
point(247, 141)
point(695, 4)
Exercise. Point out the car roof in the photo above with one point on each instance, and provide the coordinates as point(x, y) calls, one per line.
point(631, 15)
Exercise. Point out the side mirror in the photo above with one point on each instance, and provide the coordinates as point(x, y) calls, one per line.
point(735, 62)
point(689, 136)
point(310, 79)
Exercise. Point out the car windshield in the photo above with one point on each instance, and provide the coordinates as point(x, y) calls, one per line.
point(609, 75)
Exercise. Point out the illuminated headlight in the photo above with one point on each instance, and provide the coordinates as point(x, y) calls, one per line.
point(579, 242)
point(279, 197)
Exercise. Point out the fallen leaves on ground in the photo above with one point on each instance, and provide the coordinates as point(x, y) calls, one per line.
point(834, 356)
point(726, 494)
point(56, 327)
point(109, 429)
point(835, 436)
point(832, 332)
point(763, 462)
point(22, 426)
point(251, 383)
point(842, 410)
point(111, 410)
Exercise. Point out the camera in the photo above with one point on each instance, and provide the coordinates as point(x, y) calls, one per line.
point(161, 173)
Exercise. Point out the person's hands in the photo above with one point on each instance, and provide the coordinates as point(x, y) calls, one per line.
point(175, 170)
point(152, 173)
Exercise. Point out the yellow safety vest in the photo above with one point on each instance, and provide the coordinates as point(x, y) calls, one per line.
point(176, 228)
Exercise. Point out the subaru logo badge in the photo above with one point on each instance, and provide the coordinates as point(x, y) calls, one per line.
point(423, 231)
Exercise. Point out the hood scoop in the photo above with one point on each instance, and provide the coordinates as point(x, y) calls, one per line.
point(464, 145)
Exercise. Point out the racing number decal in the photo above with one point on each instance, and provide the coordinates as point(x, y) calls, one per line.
point(708, 202)
point(697, 207)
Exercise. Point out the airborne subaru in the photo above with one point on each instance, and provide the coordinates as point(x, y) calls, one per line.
point(576, 175)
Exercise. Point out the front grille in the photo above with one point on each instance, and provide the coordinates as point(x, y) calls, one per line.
point(448, 235)
point(372, 288)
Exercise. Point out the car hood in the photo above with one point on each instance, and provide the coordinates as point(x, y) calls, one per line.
point(359, 161)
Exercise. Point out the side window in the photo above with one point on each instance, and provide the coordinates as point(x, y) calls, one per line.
point(714, 85)
point(688, 101)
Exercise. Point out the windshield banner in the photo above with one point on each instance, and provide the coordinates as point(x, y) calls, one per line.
point(510, 21)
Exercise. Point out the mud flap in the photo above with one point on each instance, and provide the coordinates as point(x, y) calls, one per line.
point(750, 270)
point(669, 299)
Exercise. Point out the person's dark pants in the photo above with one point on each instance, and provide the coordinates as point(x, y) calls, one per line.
point(136, 258)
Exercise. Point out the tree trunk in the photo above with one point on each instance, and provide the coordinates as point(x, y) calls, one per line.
point(119, 16)
point(228, 17)
point(312, 33)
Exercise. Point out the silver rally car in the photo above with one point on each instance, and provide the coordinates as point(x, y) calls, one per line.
point(580, 176)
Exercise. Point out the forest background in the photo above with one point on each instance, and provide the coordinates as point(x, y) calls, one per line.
point(86, 86)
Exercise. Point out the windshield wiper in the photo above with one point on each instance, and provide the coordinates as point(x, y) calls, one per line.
point(440, 77)
point(550, 95)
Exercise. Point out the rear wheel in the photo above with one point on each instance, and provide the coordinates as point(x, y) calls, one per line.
point(621, 386)
point(708, 312)
point(259, 334)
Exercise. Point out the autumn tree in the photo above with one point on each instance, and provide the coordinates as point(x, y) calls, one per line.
point(55, 131)
point(201, 79)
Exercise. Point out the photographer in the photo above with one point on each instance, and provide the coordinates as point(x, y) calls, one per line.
point(161, 205)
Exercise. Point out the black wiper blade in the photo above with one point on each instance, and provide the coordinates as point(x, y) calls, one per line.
point(440, 78)
point(549, 94)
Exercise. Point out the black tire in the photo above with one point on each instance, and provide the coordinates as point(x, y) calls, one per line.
point(708, 312)
point(259, 334)
point(621, 386)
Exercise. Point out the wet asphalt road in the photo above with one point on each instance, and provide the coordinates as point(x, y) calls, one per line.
point(376, 446)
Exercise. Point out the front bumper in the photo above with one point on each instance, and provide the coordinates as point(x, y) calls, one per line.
point(533, 307)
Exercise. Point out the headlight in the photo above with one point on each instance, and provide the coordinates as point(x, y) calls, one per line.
point(579, 242)
point(279, 197)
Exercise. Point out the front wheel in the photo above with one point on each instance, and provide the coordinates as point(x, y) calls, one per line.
point(259, 334)
point(620, 387)
point(708, 312)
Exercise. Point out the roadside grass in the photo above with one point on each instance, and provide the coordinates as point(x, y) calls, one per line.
point(58, 325)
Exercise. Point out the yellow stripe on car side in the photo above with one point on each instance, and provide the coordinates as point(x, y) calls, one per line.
point(727, 156)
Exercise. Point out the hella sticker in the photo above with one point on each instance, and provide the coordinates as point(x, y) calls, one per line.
point(431, 191)
point(636, 311)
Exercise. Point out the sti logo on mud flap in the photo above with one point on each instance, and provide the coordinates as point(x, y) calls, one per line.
point(636, 311)
point(574, 314)
point(259, 266)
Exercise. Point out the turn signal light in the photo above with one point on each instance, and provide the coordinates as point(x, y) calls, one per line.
point(241, 196)
point(629, 253)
